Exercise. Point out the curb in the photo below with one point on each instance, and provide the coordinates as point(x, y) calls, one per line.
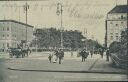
point(92, 71)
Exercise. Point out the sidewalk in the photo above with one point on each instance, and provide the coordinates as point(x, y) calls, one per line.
point(103, 66)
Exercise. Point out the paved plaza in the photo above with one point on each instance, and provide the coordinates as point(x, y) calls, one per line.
point(36, 68)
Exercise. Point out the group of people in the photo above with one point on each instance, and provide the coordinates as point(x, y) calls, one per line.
point(58, 54)
point(84, 54)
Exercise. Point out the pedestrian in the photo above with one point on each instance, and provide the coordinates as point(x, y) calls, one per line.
point(91, 53)
point(60, 56)
point(71, 53)
point(55, 56)
point(107, 55)
point(50, 58)
point(84, 55)
point(101, 51)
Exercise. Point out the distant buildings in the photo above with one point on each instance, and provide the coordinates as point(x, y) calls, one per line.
point(13, 32)
point(116, 22)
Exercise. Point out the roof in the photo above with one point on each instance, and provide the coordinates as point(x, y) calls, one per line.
point(16, 22)
point(119, 9)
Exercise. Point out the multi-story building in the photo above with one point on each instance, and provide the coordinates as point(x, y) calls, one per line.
point(116, 22)
point(13, 32)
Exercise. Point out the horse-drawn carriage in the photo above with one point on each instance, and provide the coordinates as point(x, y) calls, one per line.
point(18, 52)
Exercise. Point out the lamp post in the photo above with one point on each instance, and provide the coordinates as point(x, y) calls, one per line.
point(60, 12)
point(26, 7)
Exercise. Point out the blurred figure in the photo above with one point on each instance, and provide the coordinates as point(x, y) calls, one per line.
point(61, 55)
point(101, 51)
point(71, 53)
point(84, 55)
point(50, 58)
point(55, 56)
point(107, 55)
point(91, 53)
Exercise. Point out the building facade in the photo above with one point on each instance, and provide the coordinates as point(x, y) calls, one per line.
point(116, 22)
point(13, 32)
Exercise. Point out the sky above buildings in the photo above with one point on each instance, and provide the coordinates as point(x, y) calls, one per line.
point(77, 14)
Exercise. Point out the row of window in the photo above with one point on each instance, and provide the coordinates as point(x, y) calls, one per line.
point(118, 17)
point(113, 33)
point(3, 29)
point(8, 35)
point(112, 38)
point(117, 24)
point(4, 45)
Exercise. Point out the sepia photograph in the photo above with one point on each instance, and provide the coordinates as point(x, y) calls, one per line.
point(63, 40)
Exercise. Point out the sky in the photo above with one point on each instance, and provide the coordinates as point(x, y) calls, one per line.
point(79, 15)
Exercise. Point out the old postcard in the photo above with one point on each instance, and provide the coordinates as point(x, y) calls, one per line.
point(63, 40)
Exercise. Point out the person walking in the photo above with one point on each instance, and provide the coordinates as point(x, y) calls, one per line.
point(50, 58)
point(101, 51)
point(107, 55)
point(55, 56)
point(84, 55)
point(60, 56)
point(91, 53)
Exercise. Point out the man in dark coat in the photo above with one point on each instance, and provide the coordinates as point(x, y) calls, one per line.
point(61, 55)
point(84, 55)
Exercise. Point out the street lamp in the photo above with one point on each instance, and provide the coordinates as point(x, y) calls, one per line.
point(26, 7)
point(60, 12)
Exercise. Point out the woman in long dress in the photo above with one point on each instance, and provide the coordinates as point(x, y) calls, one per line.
point(55, 56)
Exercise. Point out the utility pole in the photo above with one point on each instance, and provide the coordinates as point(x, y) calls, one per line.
point(60, 12)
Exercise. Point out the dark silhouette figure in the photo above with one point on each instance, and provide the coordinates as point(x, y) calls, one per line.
point(91, 53)
point(50, 58)
point(107, 55)
point(61, 55)
point(84, 55)
point(101, 52)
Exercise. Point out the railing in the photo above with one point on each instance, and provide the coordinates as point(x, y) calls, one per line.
point(119, 62)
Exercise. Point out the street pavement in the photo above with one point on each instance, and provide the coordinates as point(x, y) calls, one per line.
point(36, 68)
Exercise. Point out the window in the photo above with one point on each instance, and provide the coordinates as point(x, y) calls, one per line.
point(7, 35)
point(122, 22)
point(111, 22)
point(116, 33)
point(111, 33)
point(3, 44)
point(7, 44)
point(3, 35)
point(117, 37)
point(111, 37)
point(8, 29)
point(3, 29)
point(116, 24)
